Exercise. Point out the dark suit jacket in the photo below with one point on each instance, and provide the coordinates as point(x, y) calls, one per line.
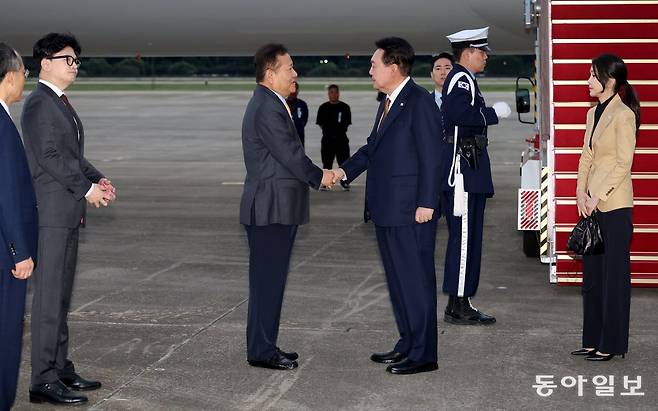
point(18, 206)
point(278, 172)
point(62, 176)
point(402, 159)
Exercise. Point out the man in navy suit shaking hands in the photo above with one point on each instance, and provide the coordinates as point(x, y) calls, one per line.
point(402, 157)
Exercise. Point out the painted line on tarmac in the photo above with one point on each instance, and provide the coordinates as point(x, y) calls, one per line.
point(129, 287)
point(173, 349)
point(332, 243)
point(276, 386)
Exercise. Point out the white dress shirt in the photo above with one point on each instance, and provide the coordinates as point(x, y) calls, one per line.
point(5, 106)
point(438, 97)
point(53, 87)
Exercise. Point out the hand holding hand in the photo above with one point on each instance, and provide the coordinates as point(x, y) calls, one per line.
point(423, 214)
point(502, 109)
point(590, 204)
point(327, 178)
point(338, 174)
point(97, 196)
point(23, 270)
point(110, 190)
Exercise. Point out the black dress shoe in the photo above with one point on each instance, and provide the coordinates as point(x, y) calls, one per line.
point(55, 393)
point(584, 351)
point(411, 367)
point(292, 356)
point(460, 311)
point(277, 362)
point(387, 357)
point(78, 383)
point(595, 356)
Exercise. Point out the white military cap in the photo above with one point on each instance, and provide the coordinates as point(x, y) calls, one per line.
point(471, 38)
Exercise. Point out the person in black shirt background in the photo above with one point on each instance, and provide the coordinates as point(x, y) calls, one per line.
point(334, 117)
point(298, 110)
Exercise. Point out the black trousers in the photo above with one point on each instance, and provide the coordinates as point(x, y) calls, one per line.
point(53, 286)
point(330, 147)
point(270, 248)
point(12, 309)
point(607, 285)
point(459, 279)
point(408, 257)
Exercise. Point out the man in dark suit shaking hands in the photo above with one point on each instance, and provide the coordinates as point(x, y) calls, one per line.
point(18, 225)
point(274, 202)
point(64, 181)
point(402, 157)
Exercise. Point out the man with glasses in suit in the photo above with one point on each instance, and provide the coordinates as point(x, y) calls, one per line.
point(64, 182)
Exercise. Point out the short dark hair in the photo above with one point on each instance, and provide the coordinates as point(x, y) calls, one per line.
point(443, 55)
point(10, 60)
point(265, 58)
point(51, 43)
point(397, 51)
point(458, 53)
point(332, 86)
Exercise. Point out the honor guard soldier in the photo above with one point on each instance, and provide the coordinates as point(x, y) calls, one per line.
point(469, 184)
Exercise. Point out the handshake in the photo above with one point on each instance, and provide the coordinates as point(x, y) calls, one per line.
point(331, 177)
point(101, 194)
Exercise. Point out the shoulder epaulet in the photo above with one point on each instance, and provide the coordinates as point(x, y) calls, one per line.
point(467, 85)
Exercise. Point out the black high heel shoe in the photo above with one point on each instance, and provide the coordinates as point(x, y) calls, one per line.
point(584, 351)
point(602, 357)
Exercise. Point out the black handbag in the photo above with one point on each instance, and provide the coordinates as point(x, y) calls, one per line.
point(586, 239)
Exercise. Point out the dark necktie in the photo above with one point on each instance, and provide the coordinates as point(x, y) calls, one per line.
point(76, 119)
point(65, 100)
point(387, 105)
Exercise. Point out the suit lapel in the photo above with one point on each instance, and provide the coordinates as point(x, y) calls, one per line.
point(396, 108)
point(604, 121)
point(4, 117)
point(69, 114)
point(276, 98)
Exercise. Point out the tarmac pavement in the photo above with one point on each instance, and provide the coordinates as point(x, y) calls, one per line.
point(160, 300)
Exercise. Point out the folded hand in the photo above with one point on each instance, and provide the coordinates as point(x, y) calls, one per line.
point(110, 190)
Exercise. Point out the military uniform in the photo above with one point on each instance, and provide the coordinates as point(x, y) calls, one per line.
point(465, 108)
point(299, 113)
point(466, 118)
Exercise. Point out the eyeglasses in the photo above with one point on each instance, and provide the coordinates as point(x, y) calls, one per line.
point(70, 60)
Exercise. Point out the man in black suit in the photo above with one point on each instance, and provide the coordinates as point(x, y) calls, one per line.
point(402, 157)
point(18, 225)
point(63, 180)
point(274, 202)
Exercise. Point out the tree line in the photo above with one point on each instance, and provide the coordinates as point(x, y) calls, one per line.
point(306, 66)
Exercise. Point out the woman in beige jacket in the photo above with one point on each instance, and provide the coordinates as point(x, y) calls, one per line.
point(605, 186)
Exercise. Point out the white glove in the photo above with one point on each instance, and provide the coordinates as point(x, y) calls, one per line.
point(502, 109)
